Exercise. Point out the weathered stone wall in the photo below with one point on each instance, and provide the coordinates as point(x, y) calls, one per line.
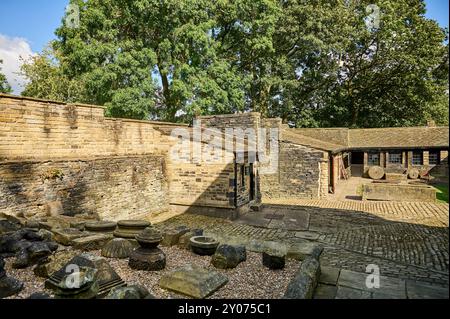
point(302, 173)
point(34, 129)
point(112, 188)
point(202, 185)
point(93, 162)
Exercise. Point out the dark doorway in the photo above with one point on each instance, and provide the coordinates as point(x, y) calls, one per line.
point(357, 163)
point(252, 182)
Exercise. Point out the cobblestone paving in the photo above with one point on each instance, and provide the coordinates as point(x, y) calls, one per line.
point(405, 243)
point(430, 214)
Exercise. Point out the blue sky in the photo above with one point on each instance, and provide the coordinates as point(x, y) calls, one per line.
point(26, 26)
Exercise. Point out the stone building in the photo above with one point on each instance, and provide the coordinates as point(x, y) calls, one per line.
point(353, 151)
point(58, 158)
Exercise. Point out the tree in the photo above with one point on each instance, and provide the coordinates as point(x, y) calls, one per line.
point(359, 76)
point(46, 80)
point(310, 62)
point(4, 85)
point(126, 51)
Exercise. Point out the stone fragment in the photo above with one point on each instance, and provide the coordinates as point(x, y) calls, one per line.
point(305, 281)
point(106, 277)
point(32, 224)
point(273, 260)
point(100, 226)
point(228, 256)
point(34, 253)
point(129, 292)
point(193, 281)
point(172, 236)
point(45, 234)
point(39, 295)
point(8, 286)
point(203, 245)
point(53, 263)
point(117, 248)
point(130, 228)
point(149, 259)
point(67, 235)
point(80, 284)
point(147, 256)
point(7, 226)
point(300, 251)
point(93, 242)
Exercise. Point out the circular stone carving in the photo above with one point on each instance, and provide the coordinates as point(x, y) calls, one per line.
point(130, 228)
point(413, 173)
point(376, 172)
point(102, 226)
point(147, 259)
point(149, 238)
point(133, 223)
point(117, 248)
point(203, 245)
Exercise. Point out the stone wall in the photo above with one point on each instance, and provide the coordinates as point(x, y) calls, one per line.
point(35, 129)
point(111, 188)
point(302, 173)
point(71, 157)
point(202, 185)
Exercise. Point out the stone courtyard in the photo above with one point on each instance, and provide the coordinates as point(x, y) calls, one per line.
point(408, 241)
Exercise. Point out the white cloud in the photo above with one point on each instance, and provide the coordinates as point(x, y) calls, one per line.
point(11, 52)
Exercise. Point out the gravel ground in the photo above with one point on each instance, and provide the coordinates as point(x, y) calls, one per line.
point(249, 280)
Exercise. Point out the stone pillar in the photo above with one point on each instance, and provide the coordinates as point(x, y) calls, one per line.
point(386, 159)
point(409, 159)
point(426, 158)
point(382, 159)
point(444, 155)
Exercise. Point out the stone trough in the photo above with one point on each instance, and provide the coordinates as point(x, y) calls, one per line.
point(399, 192)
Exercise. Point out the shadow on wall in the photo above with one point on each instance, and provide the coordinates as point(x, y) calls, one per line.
point(110, 188)
point(42, 188)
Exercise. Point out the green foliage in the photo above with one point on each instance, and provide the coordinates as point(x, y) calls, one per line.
point(4, 85)
point(310, 62)
point(442, 193)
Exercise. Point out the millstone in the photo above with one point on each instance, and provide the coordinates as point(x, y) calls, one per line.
point(413, 173)
point(150, 259)
point(376, 172)
point(101, 226)
point(117, 248)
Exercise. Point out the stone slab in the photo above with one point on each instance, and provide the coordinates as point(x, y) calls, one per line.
point(300, 251)
point(329, 275)
point(67, 235)
point(325, 292)
point(193, 281)
point(92, 242)
point(307, 235)
point(394, 287)
point(421, 290)
point(351, 293)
